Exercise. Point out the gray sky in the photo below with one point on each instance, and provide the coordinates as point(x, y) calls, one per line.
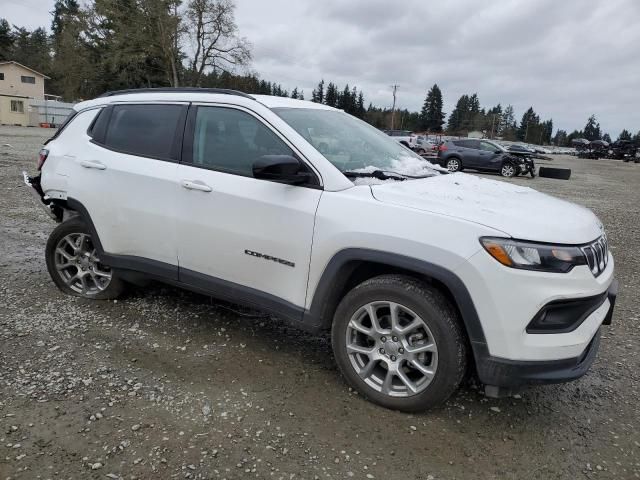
point(567, 59)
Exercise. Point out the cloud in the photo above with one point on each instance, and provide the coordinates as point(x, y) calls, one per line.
point(567, 59)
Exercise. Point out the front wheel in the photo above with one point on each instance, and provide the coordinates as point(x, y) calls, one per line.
point(74, 265)
point(508, 170)
point(399, 343)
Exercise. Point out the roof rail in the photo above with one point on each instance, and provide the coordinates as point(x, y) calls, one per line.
point(224, 91)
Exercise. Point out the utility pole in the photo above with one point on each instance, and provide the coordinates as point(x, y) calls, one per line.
point(493, 121)
point(393, 109)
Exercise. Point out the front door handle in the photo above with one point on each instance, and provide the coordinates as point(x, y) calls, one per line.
point(93, 164)
point(195, 185)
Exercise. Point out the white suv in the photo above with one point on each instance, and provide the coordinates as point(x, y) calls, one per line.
point(306, 212)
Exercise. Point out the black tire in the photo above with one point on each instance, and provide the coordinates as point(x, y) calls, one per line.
point(111, 290)
point(439, 316)
point(557, 173)
point(453, 164)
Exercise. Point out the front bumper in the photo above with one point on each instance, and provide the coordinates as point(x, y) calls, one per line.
point(499, 373)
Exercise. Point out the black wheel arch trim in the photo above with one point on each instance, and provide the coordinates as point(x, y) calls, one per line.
point(132, 266)
point(314, 319)
point(344, 262)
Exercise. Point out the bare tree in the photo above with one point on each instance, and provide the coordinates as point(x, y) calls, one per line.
point(164, 21)
point(215, 43)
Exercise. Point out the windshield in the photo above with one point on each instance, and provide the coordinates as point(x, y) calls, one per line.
point(353, 145)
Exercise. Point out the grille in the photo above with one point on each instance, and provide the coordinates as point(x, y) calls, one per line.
point(597, 255)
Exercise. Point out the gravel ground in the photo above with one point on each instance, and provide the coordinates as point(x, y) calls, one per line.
point(169, 384)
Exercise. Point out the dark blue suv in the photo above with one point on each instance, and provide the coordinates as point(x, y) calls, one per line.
point(482, 155)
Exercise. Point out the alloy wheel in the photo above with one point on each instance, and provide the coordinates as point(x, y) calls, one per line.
point(391, 349)
point(78, 265)
point(508, 170)
point(453, 165)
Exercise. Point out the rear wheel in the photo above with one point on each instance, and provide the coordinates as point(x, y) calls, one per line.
point(398, 342)
point(454, 165)
point(74, 265)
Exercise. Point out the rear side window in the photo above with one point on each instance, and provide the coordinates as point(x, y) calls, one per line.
point(466, 143)
point(145, 130)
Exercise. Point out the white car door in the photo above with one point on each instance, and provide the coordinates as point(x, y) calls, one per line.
point(246, 238)
point(125, 177)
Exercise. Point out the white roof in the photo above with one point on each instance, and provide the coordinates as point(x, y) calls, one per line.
point(195, 96)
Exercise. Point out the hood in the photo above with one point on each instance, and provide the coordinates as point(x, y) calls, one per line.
point(519, 212)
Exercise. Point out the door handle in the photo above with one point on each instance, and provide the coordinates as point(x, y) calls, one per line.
point(92, 164)
point(195, 185)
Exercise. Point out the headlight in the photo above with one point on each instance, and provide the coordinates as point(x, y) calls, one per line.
point(533, 256)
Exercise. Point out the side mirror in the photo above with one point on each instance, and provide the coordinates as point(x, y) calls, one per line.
point(281, 168)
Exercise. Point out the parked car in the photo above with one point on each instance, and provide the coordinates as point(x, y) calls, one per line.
point(516, 148)
point(481, 155)
point(419, 275)
point(625, 150)
point(404, 137)
point(423, 145)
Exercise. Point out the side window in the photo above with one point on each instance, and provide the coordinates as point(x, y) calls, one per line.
point(465, 143)
point(145, 130)
point(488, 147)
point(231, 141)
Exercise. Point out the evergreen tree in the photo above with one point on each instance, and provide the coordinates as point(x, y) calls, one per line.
point(573, 135)
point(592, 129)
point(507, 128)
point(625, 135)
point(528, 126)
point(6, 40)
point(294, 93)
point(317, 95)
point(31, 48)
point(63, 9)
point(493, 120)
point(560, 139)
point(360, 113)
point(457, 117)
point(344, 99)
point(431, 115)
point(606, 137)
point(331, 95)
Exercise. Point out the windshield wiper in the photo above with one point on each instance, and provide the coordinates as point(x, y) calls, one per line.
point(383, 175)
point(379, 174)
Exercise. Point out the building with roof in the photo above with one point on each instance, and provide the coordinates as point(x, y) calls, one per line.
point(19, 86)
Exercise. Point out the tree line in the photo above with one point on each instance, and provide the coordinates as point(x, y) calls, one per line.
point(117, 44)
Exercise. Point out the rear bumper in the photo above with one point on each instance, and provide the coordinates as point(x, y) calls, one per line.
point(512, 374)
point(36, 192)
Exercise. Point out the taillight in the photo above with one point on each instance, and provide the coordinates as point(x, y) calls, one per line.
point(42, 156)
point(442, 148)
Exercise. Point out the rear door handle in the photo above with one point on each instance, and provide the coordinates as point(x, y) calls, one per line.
point(195, 185)
point(93, 164)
